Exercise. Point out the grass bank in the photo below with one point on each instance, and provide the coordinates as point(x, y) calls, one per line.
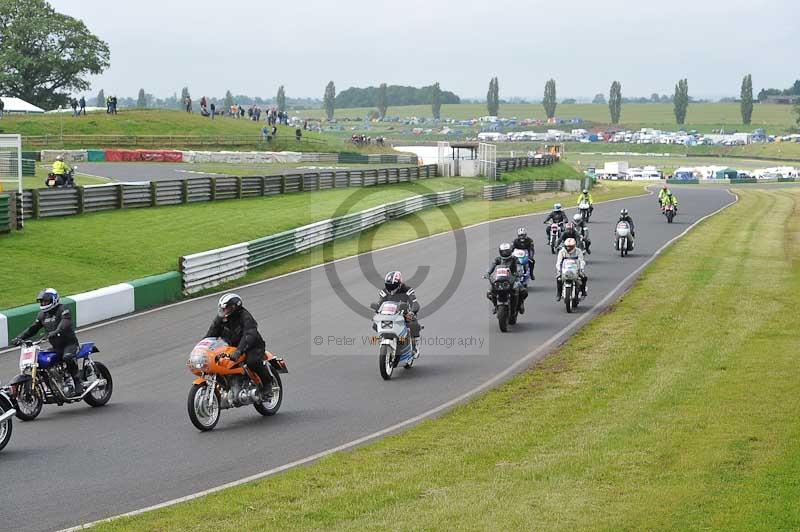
point(675, 410)
point(117, 246)
point(559, 170)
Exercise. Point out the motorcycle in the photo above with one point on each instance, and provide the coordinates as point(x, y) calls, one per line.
point(222, 383)
point(584, 210)
point(623, 241)
point(44, 379)
point(555, 236)
point(502, 289)
point(570, 283)
point(7, 413)
point(394, 337)
point(669, 212)
point(524, 262)
point(61, 181)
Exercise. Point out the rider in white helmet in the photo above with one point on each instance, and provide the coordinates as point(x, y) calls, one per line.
point(570, 250)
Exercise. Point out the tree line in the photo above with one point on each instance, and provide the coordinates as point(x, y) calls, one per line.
point(393, 95)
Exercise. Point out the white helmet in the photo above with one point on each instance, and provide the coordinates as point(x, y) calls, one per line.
point(522, 232)
point(60, 158)
point(228, 304)
point(577, 218)
point(569, 244)
point(557, 207)
point(47, 299)
point(505, 250)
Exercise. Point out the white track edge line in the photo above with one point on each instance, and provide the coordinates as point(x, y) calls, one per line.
point(534, 355)
point(309, 268)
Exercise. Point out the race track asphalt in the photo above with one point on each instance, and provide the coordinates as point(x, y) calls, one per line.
point(76, 464)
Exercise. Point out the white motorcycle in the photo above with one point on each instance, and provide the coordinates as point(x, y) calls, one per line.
point(584, 208)
point(623, 241)
point(394, 337)
point(570, 283)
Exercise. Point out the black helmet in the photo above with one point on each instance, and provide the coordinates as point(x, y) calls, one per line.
point(228, 305)
point(392, 281)
point(505, 250)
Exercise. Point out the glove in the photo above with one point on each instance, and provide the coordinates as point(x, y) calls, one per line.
point(17, 341)
point(410, 316)
point(235, 355)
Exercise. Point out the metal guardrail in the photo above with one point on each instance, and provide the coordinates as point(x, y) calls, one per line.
point(46, 203)
point(506, 164)
point(213, 267)
point(498, 192)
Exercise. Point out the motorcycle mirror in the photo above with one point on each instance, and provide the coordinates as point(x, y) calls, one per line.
point(373, 306)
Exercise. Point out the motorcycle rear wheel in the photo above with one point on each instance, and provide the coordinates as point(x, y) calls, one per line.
point(203, 416)
point(102, 394)
point(271, 407)
point(386, 362)
point(29, 402)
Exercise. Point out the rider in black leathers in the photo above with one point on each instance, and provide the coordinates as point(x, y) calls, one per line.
point(399, 292)
point(525, 243)
point(238, 328)
point(558, 216)
point(506, 259)
point(56, 319)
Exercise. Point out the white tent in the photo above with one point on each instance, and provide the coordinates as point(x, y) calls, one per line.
point(15, 105)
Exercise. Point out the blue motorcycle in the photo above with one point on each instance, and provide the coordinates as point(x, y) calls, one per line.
point(44, 379)
point(394, 337)
point(525, 263)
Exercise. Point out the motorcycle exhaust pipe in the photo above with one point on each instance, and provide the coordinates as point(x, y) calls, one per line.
point(92, 386)
point(7, 415)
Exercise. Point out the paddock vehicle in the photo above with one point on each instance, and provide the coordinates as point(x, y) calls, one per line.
point(44, 379)
point(394, 337)
point(222, 383)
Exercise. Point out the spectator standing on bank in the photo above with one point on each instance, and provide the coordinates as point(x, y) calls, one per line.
point(74, 104)
point(108, 104)
point(213, 110)
point(298, 133)
point(2, 107)
point(82, 103)
point(114, 104)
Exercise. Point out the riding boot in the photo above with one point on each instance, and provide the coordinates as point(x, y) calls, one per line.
point(559, 288)
point(415, 346)
point(78, 384)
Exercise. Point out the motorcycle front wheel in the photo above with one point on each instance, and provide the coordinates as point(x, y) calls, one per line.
point(203, 415)
point(5, 427)
point(502, 317)
point(29, 402)
point(270, 408)
point(386, 362)
point(568, 300)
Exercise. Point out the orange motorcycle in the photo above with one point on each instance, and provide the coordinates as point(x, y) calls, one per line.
point(222, 383)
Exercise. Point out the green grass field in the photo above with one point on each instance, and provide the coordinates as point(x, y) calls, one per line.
point(163, 123)
point(559, 170)
point(677, 410)
point(789, 151)
point(277, 168)
point(700, 116)
point(123, 248)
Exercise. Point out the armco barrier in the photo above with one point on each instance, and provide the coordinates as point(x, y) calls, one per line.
point(156, 290)
point(103, 303)
point(5, 213)
point(99, 305)
point(46, 203)
point(498, 192)
point(213, 267)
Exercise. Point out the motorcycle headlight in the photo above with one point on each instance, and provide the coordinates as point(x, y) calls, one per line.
point(198, 361)
point(386, 324)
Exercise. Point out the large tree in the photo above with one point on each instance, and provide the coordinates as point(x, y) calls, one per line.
point(382, 103)
point(680, 100)
point(141, 100)
point(436, 101)
point(615, 101)
point(549, 100)
point(493, 97)
point(228, 101)
point(329, 99)
point(746, 99)
point(599, 98)
point(797, 112)
point(44, 55)
point(281, 99)
point(101, 98)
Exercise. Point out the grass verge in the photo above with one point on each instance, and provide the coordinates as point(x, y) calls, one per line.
point(675, 410)
point(117, 246)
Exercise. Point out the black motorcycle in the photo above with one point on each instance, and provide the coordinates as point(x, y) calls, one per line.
point(7, 413)
point(507, 297)
point(61, 181)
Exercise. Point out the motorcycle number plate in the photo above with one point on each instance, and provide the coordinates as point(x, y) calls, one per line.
point(503, 272)
point(27, 357)
point(389, 308)
point(622, 225)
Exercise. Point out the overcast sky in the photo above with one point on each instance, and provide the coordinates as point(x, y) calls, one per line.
point(252, 46)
